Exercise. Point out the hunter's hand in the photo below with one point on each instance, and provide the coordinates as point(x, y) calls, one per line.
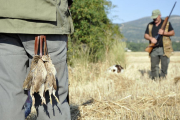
point(161, 31)
point(153, 40)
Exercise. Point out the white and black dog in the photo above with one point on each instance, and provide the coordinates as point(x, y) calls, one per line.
point(116, 69)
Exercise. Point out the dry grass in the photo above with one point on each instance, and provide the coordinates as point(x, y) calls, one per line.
point(132, 95)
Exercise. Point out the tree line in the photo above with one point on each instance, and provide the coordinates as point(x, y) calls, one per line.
point(141, 46)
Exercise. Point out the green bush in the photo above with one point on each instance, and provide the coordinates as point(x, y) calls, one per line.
point(94, 33)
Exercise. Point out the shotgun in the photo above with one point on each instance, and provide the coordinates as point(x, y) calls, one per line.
point(152, 45)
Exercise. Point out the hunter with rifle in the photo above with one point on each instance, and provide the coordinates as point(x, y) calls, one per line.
point(158, 33)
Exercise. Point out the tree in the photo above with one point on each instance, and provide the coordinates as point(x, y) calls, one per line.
point(92, 27)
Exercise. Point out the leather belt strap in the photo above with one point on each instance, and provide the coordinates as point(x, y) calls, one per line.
point(36, 45)
point(41, 38)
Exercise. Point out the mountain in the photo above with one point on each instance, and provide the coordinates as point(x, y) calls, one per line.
point(133, 31)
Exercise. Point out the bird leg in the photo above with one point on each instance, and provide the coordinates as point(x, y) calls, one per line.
point(55, 96)
point(41, 93)
point(50, 92)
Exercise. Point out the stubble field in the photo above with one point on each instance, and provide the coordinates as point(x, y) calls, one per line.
point(131, 95)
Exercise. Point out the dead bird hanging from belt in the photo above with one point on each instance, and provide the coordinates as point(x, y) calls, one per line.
point(40, 79)
point(50, 84)
point(28, 81)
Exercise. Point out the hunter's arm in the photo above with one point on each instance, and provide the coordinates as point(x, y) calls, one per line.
point(168, 34)
point(147, 37)
point(151, 39)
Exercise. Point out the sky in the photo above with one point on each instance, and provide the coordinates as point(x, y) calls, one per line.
point(129, 10)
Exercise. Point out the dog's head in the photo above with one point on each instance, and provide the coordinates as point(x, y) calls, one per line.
point(116, 69)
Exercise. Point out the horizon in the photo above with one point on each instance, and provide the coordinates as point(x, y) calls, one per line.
point(145, 17)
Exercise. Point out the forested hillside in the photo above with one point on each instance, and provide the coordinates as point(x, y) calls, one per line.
point(140, 47)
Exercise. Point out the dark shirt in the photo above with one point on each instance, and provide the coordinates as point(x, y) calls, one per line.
point(155, 30)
